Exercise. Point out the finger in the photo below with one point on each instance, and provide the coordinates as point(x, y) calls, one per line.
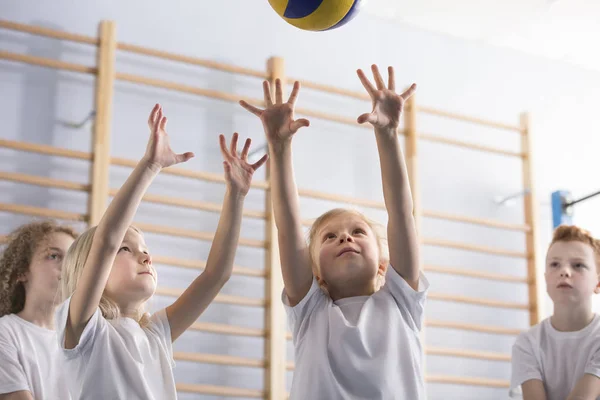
point(278, 91)
point(377, 76)
point(245, 150)
point(267, 94)
point(254, 110)
point(152, 116)
point(227, 169)
point(391, 79)
point(409, 92)
point(294, 94)
point(184, 157)
point(299, 123)
point(223, 146)
point(163, 123)
point(233, 145)
point(365, 81)
point(260, 162)
point(367, 117)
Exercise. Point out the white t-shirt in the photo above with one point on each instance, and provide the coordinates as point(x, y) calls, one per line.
point(559, 359)
point(117, 359)
point(29, 357)
point(365, 347)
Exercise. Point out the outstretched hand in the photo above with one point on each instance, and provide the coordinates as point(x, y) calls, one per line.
point(158, 151)
point(278, 118)
point(238, 172)
point(387, 104)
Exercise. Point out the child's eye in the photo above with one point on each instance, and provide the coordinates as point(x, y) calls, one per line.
point(554, 264)
point(579, 265)
point(359, 231)
point(54, 256)
point(329, 236)
point(125, 248)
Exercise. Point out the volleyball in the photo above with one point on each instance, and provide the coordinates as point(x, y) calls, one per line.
point(317, 15)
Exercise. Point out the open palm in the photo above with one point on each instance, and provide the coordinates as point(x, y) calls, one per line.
point(387, 104)
point(238, 172)
point(278, 118)
point(159, 151)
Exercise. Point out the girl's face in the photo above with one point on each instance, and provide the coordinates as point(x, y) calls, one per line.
point(132, 280)
point(43, 277)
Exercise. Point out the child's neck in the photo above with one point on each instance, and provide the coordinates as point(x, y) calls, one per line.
point(569, 319)
point(38, 312)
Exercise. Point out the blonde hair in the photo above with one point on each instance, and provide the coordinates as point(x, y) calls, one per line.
point(73, 268)
point(572, 233)
point(16, 259)
point(334, 213)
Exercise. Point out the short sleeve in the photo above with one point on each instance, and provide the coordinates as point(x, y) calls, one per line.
point(86, 340)
point(593, 365)
point(160, 327)
point(524, 365)
point(298, 314)
point(411, 302)
point(12, 374)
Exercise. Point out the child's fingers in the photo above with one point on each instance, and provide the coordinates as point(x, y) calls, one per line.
point(152, 116)
point(163, 123)
point(181, 158)
point(294, 94)
point(267, 94)
point(251, 108)
point(246, 149)
point(367, 117)
point(260, 162)
point(223, 146)
point(409, 92)
point(299, 123)
point(365, 81)
point(278, 91)
point(391, 79)
point(377, 76)
point(227, 169)
point(233, 145)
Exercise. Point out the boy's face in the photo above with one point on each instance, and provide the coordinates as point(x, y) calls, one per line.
point(571, 273)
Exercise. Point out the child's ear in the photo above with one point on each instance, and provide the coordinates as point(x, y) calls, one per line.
point(383, 266)
point(597, 288)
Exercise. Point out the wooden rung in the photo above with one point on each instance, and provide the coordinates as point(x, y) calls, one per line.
point(460, 380)
point(219, 390)
point(47, 62)
point(481, 355)
point(497, 330)
point(43, 181)
point(190, 60)
point(42, 212)
point(196, 205)
point(477, 301)
point(341, 199)
point(205, 176)
point(476, 221)
point(44, 149)
point(221, 298)
point(330, 89)
point(167, 230)
point(472, 247)
point(466, 118)
point(227, 329)
point(330, 117)
point(475, 274)
point(51, 33)
point(219, 359)
point(198, 264)
point(472, 146)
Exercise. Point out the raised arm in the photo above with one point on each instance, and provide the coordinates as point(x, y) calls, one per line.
point(114, 224)
point(280, 126)
point(196, 298)
point(385, 117)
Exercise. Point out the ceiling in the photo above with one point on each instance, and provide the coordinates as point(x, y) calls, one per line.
point(566, 30)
